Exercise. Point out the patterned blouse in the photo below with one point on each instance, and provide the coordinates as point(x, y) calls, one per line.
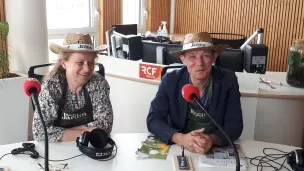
point(51, 92)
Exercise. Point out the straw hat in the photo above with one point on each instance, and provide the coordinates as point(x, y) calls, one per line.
point(76, 42)
point(201, 40)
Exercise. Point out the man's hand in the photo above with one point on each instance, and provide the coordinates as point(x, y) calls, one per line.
point(196, 141)
point(202, 140)
point(188, 141)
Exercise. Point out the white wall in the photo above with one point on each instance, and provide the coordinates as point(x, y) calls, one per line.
point(14, 105)
point(280, 121)
point(130, 101)
point(27, 39)
point(27, 46)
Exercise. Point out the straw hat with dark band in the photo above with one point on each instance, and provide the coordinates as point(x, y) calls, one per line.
point(200, 40)
point(76, 42)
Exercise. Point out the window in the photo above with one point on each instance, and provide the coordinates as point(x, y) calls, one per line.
point(64, 16)
point(134, 12)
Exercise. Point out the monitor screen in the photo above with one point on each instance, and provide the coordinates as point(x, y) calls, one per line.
point(125, 29)
point(126, 46)
point(150, 53)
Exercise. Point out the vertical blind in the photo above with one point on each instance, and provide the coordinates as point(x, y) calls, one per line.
point(158, 10)
point(110, 13)
point(282, 20)
point(2, 10)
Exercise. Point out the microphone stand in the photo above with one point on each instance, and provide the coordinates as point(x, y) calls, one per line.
point(229, 140)
point(34, 97)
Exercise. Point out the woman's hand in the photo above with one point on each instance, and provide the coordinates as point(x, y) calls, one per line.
point(71, 134)
point(90, 128)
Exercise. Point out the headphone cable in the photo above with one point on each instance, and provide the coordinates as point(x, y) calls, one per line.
point(63, 159)
point(265, 161)
point(67, 158)
point(4, 155)
point(15, 154)
point(43, 157)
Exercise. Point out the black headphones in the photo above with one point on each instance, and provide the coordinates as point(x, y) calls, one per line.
point(26, 148)
point(99, 139)
point(296, 160)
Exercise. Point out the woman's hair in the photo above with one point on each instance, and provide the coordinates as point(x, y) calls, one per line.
point(58, 69)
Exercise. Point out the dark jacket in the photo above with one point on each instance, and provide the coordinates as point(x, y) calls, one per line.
point(168, 110)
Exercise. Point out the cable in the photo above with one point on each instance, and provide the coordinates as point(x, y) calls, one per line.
point(11, 153)
point(43, 157)
point(63, 159)
point(68, 158)
point(269, 159)
point(4, 155)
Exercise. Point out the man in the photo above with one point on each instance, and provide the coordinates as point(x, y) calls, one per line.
point(174, 120)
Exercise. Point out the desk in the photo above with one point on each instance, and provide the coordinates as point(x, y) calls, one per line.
point(125, 159)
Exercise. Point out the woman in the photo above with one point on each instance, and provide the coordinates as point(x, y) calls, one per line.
point(73, 98)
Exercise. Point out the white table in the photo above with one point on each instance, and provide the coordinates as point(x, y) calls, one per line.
point(124, 161)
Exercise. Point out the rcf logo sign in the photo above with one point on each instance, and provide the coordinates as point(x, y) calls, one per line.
point(148, 71)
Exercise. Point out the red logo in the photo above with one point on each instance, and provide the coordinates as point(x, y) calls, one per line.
point(149, 71)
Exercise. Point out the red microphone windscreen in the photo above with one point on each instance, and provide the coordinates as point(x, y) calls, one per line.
point(188, 91)
point(29, 84)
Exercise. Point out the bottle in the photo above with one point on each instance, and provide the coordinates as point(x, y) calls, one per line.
point(164, 31)
point(295, 72)
point(159, 31)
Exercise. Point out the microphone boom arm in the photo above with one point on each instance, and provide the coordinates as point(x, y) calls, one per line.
point(46, 140)
point(226, 136)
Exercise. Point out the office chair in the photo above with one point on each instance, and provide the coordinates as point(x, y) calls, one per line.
point(31, 73)
point(232, 59)
point(170, 67)
point(235, 41)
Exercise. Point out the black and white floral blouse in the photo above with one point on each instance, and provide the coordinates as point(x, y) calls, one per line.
point(51, 92)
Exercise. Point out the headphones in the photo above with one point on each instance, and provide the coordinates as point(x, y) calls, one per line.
point(26, 147)
point(296, 160)
point(99, 139)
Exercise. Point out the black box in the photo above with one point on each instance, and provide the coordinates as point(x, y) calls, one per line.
point(256, 58)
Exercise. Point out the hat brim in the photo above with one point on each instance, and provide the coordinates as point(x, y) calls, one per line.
point(57, 49)
point(216, 48)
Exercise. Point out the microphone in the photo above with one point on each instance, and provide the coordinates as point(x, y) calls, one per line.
point(191, 94)
point(32, 88)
